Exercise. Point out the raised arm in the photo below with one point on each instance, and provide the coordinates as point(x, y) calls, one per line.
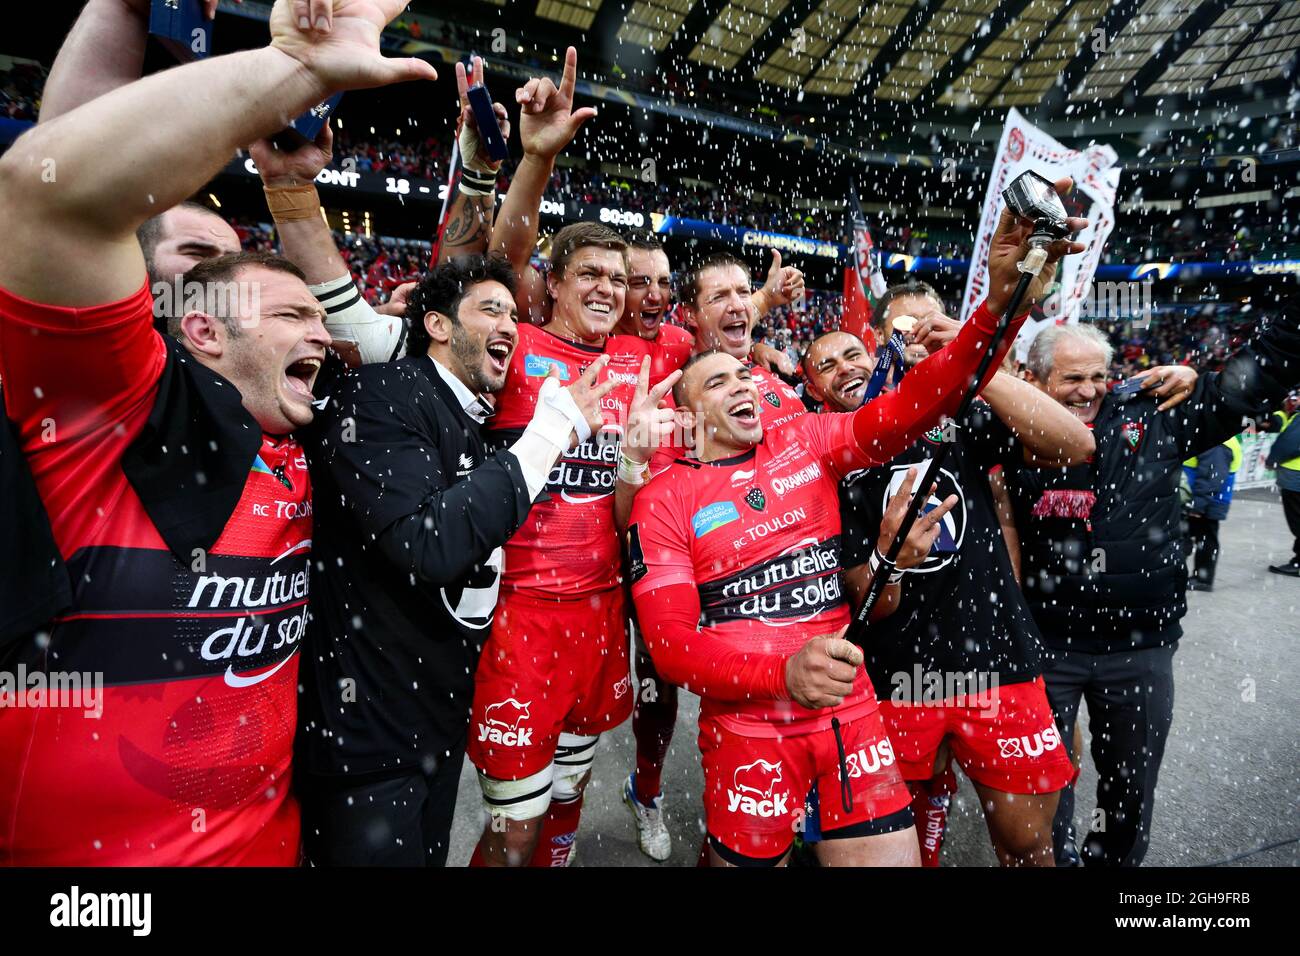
point(547, 124)
point(1255, 380)
point(469, 219)
point(289, 182)
point(103, 50)
point(75, 189)
point(886, 426)
point(361, 334)
point(784, 285)
point(1051, 436)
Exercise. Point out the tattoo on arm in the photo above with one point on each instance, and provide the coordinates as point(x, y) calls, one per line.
point(469, 227)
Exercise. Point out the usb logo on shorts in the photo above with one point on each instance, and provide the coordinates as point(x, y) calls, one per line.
point(751, 791)
point(870, 759)
point(1026, 746)
point(501, 724)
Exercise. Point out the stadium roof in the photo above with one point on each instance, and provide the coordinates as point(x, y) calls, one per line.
point(933, 59)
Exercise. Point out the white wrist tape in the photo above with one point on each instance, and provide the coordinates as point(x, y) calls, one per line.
point(474, 183)
point(348, 316)
point(540, 446)
point(877, 561)
point(342, 299)
point(632, 472)
point(550, 425)
point(558, 398)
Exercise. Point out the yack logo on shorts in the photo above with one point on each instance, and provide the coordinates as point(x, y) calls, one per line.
point(501, 724)
point(751, 790)
point(1026, 746)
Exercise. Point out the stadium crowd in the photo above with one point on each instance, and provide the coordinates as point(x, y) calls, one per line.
point(1201, 339)
point(319, 552)
point(20, 90)
point(1245, 233)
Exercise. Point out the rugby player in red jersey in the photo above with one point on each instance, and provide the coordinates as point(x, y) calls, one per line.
point(721, 311)
point(554, 673)
point(650, 296)
point(735, 561)
point(175, 490)
point(649, 293)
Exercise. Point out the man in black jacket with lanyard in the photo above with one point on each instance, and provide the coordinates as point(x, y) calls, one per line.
point(1103, 561)
point(412, 516)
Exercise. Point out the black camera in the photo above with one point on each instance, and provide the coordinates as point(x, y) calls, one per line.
point(1034, 197)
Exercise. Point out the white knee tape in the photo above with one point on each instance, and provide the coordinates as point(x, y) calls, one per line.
point(573, 758)
point(518, 799)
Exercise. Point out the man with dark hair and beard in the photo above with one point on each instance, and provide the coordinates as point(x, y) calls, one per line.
point(414, 514)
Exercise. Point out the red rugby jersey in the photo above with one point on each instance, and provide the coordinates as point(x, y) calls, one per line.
point(189, 762)
point(569, 546)
point(759, 536)
point(674, 347)
point(751, 544)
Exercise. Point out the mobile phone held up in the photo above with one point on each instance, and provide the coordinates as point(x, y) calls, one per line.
point(1130, 386)
point(181, 27)
point(480, 100)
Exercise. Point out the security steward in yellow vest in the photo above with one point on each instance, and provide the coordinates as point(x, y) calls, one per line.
point(1212, 477)
point(1284, 457)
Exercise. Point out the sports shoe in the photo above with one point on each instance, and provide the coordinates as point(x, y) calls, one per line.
point(651, 833)
point(1291, 569)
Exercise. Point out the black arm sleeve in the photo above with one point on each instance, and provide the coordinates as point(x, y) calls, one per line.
point(1211, 473)
point(1253, 383)
point(860, 515)
point(391, 477)
point(988, 440)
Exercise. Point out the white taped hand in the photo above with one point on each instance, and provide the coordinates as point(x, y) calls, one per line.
point(557, 397)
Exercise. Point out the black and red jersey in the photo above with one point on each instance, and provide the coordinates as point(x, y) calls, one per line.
point(568, 546)
point(758, 536)
point(960, 610)
point(736, 563)
point(189, 760)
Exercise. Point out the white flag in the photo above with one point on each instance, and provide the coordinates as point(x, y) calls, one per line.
point(1096, 178)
